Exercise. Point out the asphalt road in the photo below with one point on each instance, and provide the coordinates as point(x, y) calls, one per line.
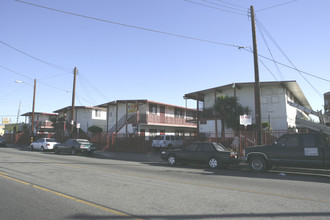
point(36, 185)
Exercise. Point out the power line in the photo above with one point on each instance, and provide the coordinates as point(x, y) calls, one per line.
point(33, 57)
point(285, 65)
point(268, 69)
point(270, 52)
point(294, 67)
point(200, 4)
point(238, 6)
point(285, 3)
point(12, 71)
point(93, 86)
point(131, 26)
point(223, 6)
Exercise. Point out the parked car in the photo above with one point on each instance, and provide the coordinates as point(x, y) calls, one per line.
point(3, 142)
point(292, 150)
point(213, 154)
point(43, 144)
point(75, 146)
point(167, 141)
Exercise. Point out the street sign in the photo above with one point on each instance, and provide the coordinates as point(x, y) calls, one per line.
point(78, 125)
point(245, 120)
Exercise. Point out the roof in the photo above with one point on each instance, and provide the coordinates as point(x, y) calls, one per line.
point(68, 108)
point(139, 100)
point(39, 113)
point(292, 86)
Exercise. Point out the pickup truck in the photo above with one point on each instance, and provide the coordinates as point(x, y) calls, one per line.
point(310, 150)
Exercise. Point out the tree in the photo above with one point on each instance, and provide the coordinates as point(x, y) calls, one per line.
point(228, 110)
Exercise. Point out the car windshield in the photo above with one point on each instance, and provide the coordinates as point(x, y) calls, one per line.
point(219, 147)
point(159, 138)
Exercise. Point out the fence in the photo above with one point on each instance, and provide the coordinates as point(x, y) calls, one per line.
point(137, 143)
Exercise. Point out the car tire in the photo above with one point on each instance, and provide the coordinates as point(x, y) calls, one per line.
point(171, 160)
point(56, 151)
point(213, 163)
point(42, 149)
point(258, 164)
point(73, 151)
point(31, 147)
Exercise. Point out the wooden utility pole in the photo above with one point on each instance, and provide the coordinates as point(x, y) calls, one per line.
point(73, 98)
point(256, 77)
point(33, 105)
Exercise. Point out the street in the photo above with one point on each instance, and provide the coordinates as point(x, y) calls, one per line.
point(42, 185)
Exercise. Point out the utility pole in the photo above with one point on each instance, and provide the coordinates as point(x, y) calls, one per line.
point(33, 105)
point(73, 98)
point(19, 110)
point(256, 77)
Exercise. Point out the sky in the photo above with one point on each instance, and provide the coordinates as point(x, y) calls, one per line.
point(158, 50)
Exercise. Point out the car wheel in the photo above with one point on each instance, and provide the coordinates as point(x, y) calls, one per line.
point(73, 151)
point(171, 160)
point(257, 164)
point(56, 151)
point(42, 149)
point(31, 147)
point(213, 163)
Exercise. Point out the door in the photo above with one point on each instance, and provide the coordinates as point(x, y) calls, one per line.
point(162, 114)
point(205, 150)
point(313, 151)
point(287, 151)
point(188, 154)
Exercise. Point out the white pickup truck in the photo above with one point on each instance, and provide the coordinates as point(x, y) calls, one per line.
point(167, 141)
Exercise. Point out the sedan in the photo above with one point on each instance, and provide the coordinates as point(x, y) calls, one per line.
point(43, 144)
point(213, 154)
point(74, 146)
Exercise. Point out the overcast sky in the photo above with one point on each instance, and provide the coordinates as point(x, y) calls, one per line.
point(155, 49)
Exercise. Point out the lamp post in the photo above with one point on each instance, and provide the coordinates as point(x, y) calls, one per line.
point(33, 103)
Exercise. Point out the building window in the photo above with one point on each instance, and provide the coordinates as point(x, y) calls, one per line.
point(178, 113)
point(152, 132)
point(152, 109)
point(98, 113)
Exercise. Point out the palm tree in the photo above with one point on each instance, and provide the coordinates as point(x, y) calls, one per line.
point(228, 110)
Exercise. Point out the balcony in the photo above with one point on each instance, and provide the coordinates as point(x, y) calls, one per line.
point(159, 119)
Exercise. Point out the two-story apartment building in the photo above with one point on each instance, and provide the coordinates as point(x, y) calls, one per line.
point(43, 125)
point(85, 116)
point(274, 106)
point(148, 118)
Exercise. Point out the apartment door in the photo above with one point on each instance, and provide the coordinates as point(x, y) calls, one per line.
point(162, 114)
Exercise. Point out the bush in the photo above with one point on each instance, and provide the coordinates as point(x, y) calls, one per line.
point(95, 129)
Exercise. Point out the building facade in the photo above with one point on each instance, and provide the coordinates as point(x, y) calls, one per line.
point(274, 106)
point(43, 125)
point(148, 118)
point(84, 116)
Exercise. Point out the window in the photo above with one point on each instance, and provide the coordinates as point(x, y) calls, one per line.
point(168, 138)
point(152, 109)
point(288, 141)
point(178, 112)
point(152, 132)
point(309, 141)
point(205, 147)
point(98, 113)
